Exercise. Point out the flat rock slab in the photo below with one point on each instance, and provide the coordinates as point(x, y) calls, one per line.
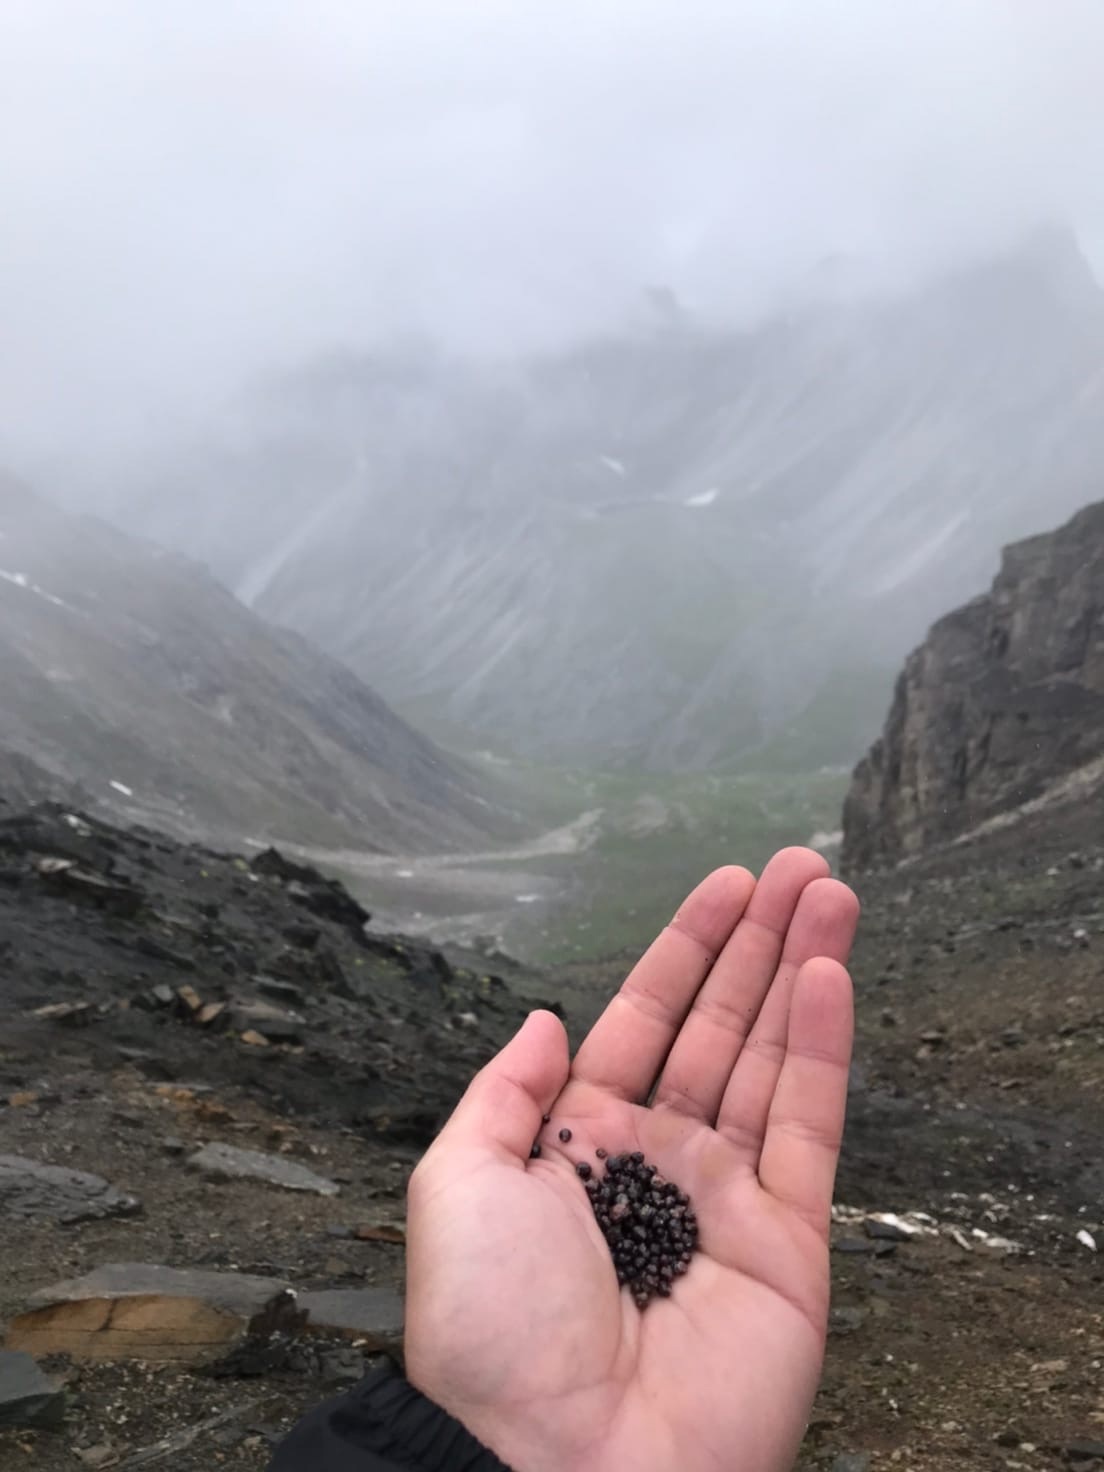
point(30, 1189)
point(373, 1316)
point(140, 1311)
point(278, 1024)
point(232, 1163)
point(27, 1396)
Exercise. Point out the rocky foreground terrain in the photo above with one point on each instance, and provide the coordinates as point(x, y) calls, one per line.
point(967, 1326)
point(243, 1078)
point(206, 1063)
point(215, 1078)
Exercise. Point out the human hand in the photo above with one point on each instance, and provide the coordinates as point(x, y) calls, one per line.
point(739, 1018)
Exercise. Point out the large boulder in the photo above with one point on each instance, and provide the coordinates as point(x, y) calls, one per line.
point(141, 1311)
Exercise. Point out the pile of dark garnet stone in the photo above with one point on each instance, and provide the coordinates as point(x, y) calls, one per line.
point(648, 1223)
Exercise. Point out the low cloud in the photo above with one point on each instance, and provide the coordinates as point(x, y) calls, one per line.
point(197, 193)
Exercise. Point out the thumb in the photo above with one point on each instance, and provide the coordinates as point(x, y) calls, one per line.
point(503, 1105)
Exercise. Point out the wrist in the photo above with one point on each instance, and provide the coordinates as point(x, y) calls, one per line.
point(387, 1415)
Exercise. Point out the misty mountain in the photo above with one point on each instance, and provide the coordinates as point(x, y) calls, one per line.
point(670, 546)
point(131, 678)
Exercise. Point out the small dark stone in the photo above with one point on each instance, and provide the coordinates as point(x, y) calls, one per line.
point(601, 1153)
point(582, 1170)
point(545, 1118)
point(885, 1231)
point(1088, 1450)
point(306, 937)
point(857, 1245)
point(535, 1152)
point(565, 1135)
point(282, 991)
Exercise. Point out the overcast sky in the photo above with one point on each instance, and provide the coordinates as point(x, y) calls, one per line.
point(195, 191)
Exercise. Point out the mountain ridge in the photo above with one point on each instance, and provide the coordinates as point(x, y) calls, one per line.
point(132, 673)
point(663, 547)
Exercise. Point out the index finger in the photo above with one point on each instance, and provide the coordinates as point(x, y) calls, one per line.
point(625, 1049)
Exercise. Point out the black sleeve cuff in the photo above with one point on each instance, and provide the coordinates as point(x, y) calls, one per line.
point(382, 1425)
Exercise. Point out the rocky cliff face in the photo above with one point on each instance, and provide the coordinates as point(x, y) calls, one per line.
point(1003, 703)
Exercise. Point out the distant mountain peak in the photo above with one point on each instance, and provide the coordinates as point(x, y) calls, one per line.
point(665, 546)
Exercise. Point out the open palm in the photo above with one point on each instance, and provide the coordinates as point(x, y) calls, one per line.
point(724, 1060)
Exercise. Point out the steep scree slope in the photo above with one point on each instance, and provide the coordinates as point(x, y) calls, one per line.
point(135, 674)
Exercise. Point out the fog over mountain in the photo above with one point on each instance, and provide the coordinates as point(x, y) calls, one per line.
point(671, 545)
point(195, 195)
point(601, 384)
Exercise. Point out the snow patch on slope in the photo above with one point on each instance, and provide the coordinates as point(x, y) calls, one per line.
point(21, 580)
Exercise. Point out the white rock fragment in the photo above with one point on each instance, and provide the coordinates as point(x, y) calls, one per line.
point(995, 1243)
point(1087, 1239)
point(914, 1226)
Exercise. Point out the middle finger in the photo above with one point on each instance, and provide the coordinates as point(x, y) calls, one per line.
point(705, 1051)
